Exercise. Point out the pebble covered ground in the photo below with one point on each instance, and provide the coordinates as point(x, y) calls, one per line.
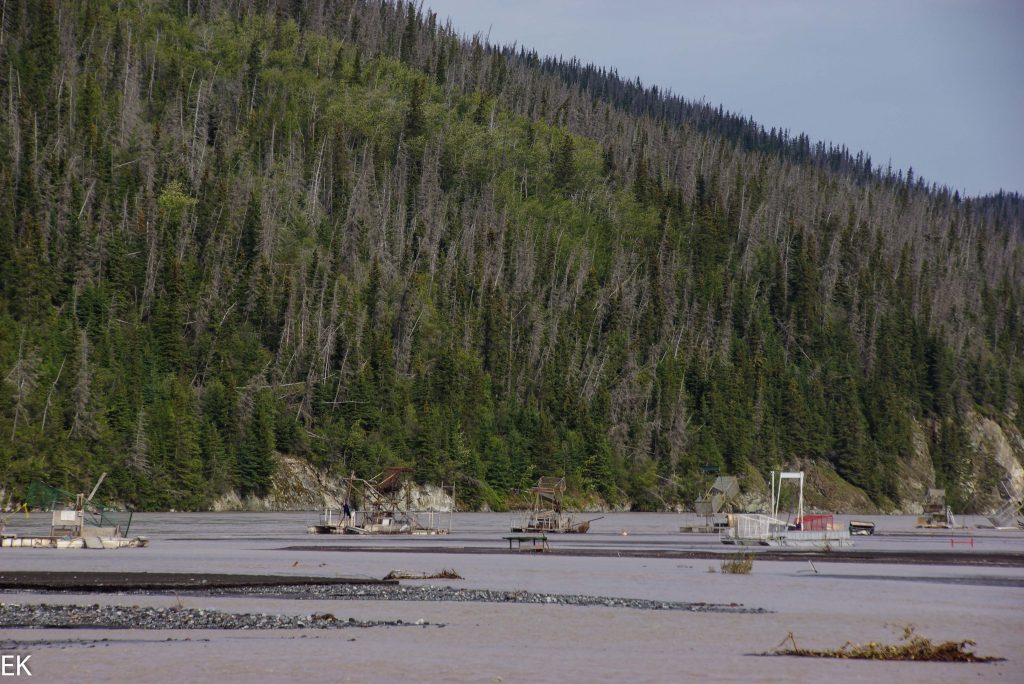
point(439, 593)
point(134, 617)
point(121, 617)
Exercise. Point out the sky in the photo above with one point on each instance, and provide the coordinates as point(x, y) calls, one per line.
point(937, 85)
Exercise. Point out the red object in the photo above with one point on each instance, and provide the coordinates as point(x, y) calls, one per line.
point(819, 523)
point(962, 541)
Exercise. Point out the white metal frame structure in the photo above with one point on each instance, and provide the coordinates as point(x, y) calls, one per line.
point(776, 483)
point(771, 530)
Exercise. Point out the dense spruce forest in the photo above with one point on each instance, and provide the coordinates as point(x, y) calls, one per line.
point(335, 229)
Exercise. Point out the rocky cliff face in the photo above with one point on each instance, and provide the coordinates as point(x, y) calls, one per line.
point(996, 453)
point(299, 486)
point(296, 486)
point(428, 498)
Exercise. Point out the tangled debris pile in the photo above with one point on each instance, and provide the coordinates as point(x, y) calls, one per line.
point(912, 646)
point(444, 573)
point(134, 617)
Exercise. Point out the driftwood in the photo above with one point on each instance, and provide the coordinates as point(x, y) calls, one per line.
point(445, 573)
point(912, 646)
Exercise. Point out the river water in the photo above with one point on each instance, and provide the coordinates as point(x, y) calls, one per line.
point(823, 605)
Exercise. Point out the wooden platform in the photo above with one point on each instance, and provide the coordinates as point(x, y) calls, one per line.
point(538, 542)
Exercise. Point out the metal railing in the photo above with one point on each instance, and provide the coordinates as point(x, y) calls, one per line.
point(753, 527)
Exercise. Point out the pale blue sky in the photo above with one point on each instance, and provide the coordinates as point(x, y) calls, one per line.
point(933, 84)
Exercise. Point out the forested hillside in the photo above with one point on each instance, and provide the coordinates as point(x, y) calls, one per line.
point(335, 230)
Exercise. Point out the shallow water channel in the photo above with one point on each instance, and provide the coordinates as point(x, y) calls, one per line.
point(824, 602)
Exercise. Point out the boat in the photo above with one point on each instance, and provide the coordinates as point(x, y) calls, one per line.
point(861, 528)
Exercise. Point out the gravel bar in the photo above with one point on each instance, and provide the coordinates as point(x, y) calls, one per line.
point(1002, 559)
point(438, 593)
point(49, 616)
point(105, 582)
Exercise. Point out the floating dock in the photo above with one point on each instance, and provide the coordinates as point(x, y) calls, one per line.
point(386, 508)
point(548, 514)
point(806, 531)
point(76, 522)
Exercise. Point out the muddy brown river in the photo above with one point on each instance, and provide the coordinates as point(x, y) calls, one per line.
point(898, 577)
